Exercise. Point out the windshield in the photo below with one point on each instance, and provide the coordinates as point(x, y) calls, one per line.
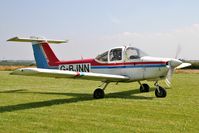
point(102, 57)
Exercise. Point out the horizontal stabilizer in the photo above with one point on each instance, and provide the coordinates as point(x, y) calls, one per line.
point(36, 39)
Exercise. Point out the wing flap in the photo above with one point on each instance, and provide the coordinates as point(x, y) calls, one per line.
point(69, 74)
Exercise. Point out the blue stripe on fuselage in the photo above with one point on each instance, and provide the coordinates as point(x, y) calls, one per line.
point(128, 66)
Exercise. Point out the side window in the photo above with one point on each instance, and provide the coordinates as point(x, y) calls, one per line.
point(115, 54)
point(132, 53)
point(103, 57)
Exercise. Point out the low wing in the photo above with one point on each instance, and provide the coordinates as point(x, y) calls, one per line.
point(69, 74)
point(183, 65)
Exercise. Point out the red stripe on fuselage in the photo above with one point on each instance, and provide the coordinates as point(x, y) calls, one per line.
point(95, 63)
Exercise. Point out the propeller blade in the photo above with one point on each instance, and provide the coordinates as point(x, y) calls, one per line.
point(168, 83)
point(169, 76)
point(178, 50)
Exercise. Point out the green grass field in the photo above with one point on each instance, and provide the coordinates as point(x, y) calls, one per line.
point(33, 104)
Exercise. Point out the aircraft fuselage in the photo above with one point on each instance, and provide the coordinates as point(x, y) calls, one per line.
point(141, 70)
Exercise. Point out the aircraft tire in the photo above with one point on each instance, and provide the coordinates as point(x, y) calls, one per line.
point(98, 93)
point(161, 93)
point(144, 88)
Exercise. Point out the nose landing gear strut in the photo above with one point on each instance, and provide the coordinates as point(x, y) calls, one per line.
point(160, 91)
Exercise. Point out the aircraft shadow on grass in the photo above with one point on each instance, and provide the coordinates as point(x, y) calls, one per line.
point(76, 97)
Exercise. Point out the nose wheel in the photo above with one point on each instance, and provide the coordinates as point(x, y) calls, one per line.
point(160, 92)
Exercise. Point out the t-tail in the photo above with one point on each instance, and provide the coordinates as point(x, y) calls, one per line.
point(43, 54)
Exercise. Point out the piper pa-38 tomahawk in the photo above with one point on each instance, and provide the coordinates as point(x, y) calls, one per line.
point(119, 64)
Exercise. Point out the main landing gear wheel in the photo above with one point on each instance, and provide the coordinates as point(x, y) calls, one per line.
point(144, 88)
point(160, 92)
point(98, 93)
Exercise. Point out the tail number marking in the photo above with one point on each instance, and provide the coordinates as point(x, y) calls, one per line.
point(76, 67)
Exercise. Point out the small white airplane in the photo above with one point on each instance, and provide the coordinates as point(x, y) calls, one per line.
point(119, 64)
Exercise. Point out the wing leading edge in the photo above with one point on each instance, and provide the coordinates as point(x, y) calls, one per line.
point(70, 74)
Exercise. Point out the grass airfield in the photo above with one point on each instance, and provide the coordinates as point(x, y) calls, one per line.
point(34, 104)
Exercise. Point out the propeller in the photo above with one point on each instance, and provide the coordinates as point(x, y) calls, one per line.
point(174, 64)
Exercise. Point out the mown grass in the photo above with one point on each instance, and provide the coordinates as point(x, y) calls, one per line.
point(11, 68)
point(33, 104)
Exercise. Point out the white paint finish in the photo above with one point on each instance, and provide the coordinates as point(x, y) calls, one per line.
point(134, 74)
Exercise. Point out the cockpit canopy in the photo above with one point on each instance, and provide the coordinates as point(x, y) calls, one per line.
point(121, 54)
